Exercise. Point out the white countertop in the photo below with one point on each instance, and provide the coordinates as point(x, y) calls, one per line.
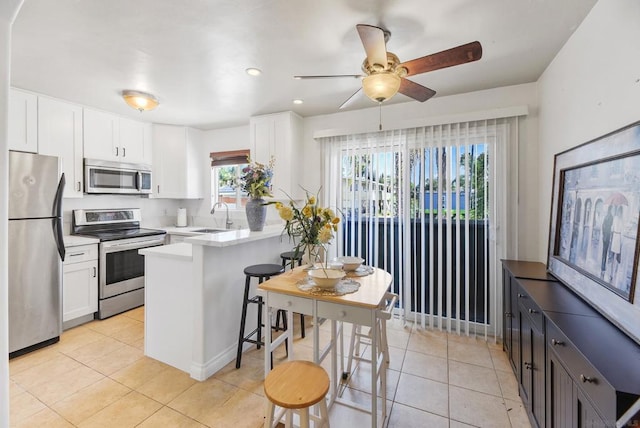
point(184, 231)
point(75, 240)
point(235, 237)
point(181, 251)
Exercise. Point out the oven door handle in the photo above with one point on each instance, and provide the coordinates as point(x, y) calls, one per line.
point(112, 248)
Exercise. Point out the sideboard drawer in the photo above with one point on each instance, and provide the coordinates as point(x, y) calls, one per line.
point(531, 309)
point(346, 313)
point(592, 383)
point(291, 303)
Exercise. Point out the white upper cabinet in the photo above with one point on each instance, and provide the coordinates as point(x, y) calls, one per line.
point(60, 134)
point(23, 121)
point(177, 162)
point(135, 141)
point(114, 138)
point(278, 135)
point(101, 135)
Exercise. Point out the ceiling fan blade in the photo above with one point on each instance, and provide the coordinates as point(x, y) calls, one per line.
point(454, 56)
point(350, 100)
point(415, 90)
point(329, 76)
point(374, 44)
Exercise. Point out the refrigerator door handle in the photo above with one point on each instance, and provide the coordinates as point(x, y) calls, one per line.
point(58, 236)
point(57, 200)
point(57, 221)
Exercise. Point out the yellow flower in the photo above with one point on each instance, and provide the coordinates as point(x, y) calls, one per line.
point(306, 211)
point(278, 205)
point(312, 200)
point(329, 213)
point(325, 235)
point(286, 213)
point(335, 220)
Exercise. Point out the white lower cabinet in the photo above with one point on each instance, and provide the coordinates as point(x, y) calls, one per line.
point(80, 284)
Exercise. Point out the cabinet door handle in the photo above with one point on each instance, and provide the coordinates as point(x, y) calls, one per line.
point(555, 342)
point(586, 379)
point(79, 186)
point(532, 311)
point(522, 296)
point(116, 150)
point(95, 272)
point(508, 314)
point(76, 254)
point(124, 152)
point(528, 366)
point(158, 189)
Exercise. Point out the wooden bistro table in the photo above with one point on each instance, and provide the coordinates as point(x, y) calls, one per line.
point(360, 307)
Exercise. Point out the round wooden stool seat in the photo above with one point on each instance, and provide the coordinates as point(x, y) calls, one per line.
point(295, 386)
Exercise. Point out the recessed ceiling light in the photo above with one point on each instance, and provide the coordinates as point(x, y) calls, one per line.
point(253, 71)
point(298, 101)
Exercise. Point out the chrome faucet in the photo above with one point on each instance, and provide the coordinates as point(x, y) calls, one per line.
point(228, 223)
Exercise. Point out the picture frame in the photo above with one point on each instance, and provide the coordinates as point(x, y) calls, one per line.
point(594, 242)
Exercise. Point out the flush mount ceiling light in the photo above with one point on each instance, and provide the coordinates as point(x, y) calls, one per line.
point(298, 101)
point(141, 101)
point(253, 71)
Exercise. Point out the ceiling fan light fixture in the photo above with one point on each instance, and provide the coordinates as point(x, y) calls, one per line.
point(381, 86)
point(141, 101)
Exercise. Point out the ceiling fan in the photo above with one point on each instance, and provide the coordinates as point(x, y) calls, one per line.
point(384, 74)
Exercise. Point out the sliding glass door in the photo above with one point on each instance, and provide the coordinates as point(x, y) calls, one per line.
point(425, 205)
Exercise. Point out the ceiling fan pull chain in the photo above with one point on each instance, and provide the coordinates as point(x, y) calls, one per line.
point(380, 116)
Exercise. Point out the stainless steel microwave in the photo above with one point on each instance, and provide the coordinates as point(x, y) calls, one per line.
point(116, 177)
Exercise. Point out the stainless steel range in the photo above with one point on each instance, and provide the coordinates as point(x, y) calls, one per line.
point(120, 267)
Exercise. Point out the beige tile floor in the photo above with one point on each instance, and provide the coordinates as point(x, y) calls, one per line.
point(98, 376)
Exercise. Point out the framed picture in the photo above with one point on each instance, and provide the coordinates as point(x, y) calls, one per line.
point(593, 237)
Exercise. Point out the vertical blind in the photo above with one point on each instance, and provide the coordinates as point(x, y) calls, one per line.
point(428, 205)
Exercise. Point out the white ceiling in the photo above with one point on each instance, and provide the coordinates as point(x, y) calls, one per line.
point(193, 54)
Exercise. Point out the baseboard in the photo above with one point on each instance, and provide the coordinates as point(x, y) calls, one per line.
point(203, 371)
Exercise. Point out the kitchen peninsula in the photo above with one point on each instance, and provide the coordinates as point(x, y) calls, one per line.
point(193, 296)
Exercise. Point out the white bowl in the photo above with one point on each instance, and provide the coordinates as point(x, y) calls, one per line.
point(350, 263)
point(326, 278)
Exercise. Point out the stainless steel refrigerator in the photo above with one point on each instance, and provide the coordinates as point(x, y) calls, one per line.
point(36, 251)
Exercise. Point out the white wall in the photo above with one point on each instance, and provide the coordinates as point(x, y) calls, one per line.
point(8, 11)
point(446, 110)
point(592, 87)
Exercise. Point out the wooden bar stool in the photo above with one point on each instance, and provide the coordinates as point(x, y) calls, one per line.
point(296, 386)
point(262, 272)
point(289, 258)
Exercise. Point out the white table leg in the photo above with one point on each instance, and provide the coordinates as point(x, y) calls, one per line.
point(267, 335)
point(374, 371)
point(289, 334)
point(334, 360)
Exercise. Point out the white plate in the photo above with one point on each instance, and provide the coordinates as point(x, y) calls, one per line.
point(363, 271)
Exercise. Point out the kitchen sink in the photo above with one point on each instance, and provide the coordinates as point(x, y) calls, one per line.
point(209, 230)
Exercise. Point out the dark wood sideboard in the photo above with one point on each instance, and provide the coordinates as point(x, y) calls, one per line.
point(574, 368)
